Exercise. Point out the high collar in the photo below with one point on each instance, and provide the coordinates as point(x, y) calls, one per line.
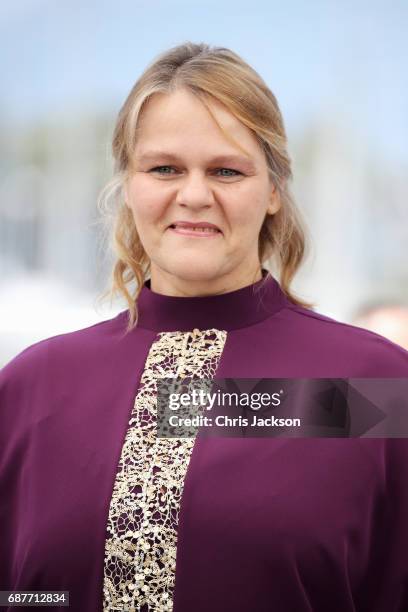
point(225, 311)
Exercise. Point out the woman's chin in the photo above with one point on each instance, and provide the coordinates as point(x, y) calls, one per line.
point(195, 271)
point(197, 275)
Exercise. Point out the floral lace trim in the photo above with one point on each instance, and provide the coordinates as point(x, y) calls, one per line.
point(140, 549)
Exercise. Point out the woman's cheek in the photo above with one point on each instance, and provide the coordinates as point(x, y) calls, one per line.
point(146, 212)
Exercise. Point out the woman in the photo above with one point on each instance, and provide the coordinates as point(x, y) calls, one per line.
point(93, 502)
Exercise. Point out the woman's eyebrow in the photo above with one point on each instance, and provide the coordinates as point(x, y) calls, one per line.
point(218, 159)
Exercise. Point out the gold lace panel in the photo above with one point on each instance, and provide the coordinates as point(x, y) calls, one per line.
point(140, 549)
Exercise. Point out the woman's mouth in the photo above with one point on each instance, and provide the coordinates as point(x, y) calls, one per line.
point(196, 232)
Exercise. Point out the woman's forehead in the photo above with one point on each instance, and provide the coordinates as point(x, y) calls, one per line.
point(182, 110)
point(170, 123)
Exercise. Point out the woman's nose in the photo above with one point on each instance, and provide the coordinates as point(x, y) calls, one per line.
point(194, 190)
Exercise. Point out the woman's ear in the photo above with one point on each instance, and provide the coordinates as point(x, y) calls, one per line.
point(275, 201)
point(125, 193)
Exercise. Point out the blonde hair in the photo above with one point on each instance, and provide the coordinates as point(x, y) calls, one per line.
point(209, 73)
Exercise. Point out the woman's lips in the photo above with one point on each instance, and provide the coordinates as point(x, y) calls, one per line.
point(199, 233)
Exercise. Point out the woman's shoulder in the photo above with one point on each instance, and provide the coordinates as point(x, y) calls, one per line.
point(45, 355)
point(372, 354)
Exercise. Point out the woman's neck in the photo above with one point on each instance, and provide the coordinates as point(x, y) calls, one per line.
point(165, 283)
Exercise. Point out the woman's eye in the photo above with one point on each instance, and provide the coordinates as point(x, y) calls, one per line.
point(236, 172)
point(160, 169)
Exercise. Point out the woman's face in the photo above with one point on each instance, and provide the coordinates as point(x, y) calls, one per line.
point(186, 170)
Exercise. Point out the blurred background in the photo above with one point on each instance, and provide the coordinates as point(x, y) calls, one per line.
point(339, 73)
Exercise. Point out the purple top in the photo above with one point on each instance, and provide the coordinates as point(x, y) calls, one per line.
point(265, 524)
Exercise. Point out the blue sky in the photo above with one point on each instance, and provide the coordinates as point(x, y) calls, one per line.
point(337, 61)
